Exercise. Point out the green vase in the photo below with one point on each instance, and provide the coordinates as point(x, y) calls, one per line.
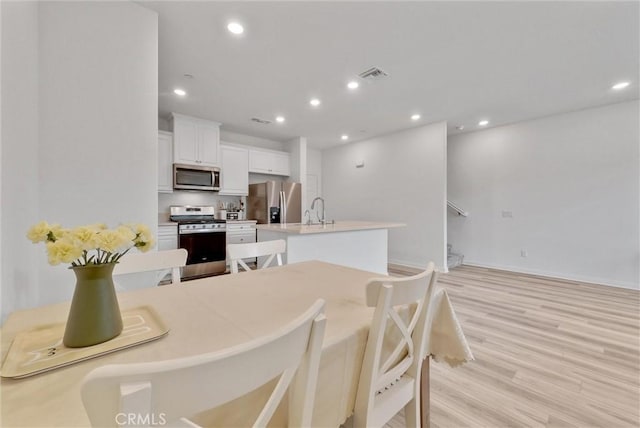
point(94, 316)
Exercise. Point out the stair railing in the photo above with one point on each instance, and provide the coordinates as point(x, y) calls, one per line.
point(457, 209)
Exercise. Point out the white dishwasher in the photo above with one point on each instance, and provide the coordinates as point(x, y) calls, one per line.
point(241, 232)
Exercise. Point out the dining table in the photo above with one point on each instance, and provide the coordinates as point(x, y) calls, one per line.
point(214, 313)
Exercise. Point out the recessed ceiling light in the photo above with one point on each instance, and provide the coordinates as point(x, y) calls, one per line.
point(180, 92)
point(483, 123)
point(353, 85)
point(344, 137)
point(235, 28)
point(460, 127)
point(620, 85)
point(415, 117)
point(279, 119)
point(314, 102)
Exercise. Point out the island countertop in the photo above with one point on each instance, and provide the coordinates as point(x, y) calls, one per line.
point(338, 226)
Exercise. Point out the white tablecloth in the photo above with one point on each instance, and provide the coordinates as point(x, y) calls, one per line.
point(446, 340)
point(215, 313)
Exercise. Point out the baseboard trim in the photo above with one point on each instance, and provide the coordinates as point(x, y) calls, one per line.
point(404, 269)
point(588, 280)
point(403, 265)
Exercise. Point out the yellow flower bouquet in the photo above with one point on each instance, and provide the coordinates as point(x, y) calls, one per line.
point(91, 244)
point(93, 251)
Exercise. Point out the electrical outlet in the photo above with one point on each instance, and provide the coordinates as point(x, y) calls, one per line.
point(507, 214)
point(524, 253)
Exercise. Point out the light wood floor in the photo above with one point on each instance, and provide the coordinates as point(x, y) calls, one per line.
point(548, 353)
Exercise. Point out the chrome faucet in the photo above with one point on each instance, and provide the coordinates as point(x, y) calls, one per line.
point(321, 220)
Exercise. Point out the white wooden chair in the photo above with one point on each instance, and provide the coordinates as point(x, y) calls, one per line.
point(273, 249)
point(390, 375)
point(155, 260)
point(180, 388)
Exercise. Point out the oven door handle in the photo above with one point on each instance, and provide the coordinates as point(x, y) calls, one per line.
point(189, 232)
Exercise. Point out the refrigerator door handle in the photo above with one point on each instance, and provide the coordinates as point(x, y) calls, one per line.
point(280, 212)
point(283, 207)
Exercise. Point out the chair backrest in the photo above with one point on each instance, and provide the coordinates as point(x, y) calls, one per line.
point(391, 369)
point(180, 388)
point(155, 260)
point(273, 249)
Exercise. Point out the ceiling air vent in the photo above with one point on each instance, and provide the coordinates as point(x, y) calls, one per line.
point(374, 73)
point(261, 121)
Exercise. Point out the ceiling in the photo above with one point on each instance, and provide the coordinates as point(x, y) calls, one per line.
point(454, 61)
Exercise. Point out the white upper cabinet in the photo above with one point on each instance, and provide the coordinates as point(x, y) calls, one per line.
point(195, 141)
point(186, 140)
point(165, 162)
point(259, 161)
point(234, 172)
point(281, 164)
point(210, 143)
point(269, 162)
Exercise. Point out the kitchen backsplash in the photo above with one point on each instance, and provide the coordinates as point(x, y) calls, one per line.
point(165, 200)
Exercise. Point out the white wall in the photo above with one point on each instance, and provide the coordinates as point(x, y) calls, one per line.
point(571, 183)
point(297, 149)
point(298, 162)
point(314, 177)
point(403, 180)
point(1, 192)
point(93, 140)
point(19, 163)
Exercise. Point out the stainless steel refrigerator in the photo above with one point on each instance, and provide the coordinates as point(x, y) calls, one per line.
point(275, 202)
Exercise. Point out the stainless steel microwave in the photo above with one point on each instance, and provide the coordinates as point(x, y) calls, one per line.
point(192, 177)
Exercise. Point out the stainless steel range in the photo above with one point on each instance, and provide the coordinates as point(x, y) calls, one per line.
point(204, 238)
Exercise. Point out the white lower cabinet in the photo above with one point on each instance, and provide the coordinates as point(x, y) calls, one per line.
point(241, 233)
point(167, 240)
point(167, 237)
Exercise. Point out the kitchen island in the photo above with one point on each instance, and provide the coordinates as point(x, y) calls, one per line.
point(358, 244)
